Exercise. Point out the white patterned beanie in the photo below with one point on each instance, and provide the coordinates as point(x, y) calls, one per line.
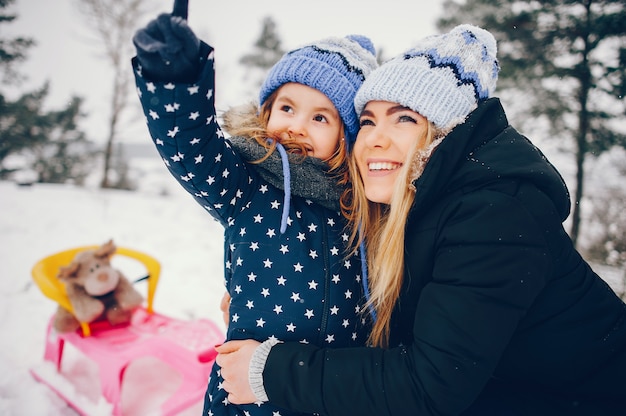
point(336, 66)
point(443, 77)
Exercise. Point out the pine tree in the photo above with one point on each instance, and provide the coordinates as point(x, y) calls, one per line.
point(568, 59)
point(267, 51)
point(26, 129)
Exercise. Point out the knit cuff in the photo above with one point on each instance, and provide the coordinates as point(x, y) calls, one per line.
point(257, 365)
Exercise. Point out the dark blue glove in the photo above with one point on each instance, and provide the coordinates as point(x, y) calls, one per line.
point(168, 50)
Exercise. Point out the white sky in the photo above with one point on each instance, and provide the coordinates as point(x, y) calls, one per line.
point(66, 56)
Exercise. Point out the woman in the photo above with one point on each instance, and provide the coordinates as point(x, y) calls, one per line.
point(482, 305)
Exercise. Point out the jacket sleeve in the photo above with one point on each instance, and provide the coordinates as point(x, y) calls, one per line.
point(182, 122)
point(490, 261)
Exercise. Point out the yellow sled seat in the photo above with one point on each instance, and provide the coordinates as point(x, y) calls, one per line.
point(45, 276)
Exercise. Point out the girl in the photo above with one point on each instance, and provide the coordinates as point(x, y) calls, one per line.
point(274, 185)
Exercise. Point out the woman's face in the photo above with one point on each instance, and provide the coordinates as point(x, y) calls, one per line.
point(307, 116)
point(386, 138)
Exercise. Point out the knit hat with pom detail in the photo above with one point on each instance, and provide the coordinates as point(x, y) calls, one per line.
point(335, 66)
point(443, 77)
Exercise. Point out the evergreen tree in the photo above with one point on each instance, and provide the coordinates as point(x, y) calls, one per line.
point(267, 51)
point(568, 59)
point(26, 129)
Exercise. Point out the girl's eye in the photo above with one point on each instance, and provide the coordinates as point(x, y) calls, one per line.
point(365, 122)
point(320, 118)
point(405, 118)
point(286, 109)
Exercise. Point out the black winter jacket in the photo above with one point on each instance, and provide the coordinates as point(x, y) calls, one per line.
point(498, 310)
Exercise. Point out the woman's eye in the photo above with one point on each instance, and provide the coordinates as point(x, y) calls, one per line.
point(404, 119)
point(366, 122)
point(320, 118)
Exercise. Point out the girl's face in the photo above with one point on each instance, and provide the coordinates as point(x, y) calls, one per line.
point(386, 138)
point(306, 115)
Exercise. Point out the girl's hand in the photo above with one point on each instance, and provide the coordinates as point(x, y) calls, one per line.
point(224, 305)
point(234, 359)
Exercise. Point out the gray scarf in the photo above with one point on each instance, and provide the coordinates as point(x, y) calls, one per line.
point(309, 176)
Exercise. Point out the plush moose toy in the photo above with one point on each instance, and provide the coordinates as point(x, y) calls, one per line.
point(96, 290)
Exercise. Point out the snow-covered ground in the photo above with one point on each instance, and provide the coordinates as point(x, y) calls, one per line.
point(160, 219)
point(39, 220)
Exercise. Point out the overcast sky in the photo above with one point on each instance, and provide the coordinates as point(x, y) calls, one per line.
point(67, 56)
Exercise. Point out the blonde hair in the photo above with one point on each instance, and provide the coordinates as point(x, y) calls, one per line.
point(249, 121)
point(382, 227)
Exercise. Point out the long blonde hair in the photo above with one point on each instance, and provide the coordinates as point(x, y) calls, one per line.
point(249, 121)
point(382, 227)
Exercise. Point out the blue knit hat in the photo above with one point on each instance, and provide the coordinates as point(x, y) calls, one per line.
point(335, 66)
point(443, 77)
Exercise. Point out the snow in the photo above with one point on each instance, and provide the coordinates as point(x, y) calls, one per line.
point(42, 219)
point(159, 219)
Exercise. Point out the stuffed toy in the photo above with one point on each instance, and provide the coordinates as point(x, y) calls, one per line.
point(96, 290)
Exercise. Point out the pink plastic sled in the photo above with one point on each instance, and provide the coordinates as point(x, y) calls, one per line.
point(186, 346)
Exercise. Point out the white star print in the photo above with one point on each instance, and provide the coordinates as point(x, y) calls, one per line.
point(298, 267)
point(313, 254)
point(265, 292)
point(150, 87)
point(267, 264)
point(348, 294)
point(275, 204)
point(173, 132)
point(334, 251)
point(295, 296)
point(330, 338)
point(249, 304)
point(312, 228)
point(198, 159)
point(260, 322)
point(270, 232)
point(278, 309)
point(313, 285)
point(281, 281)
point(153, 114)
point(291, 327)
point(194, 115)
point(194, 141)
point(334, 310)
point(254, 246)
point(193, 89)
point(251, 277)
point(309, 313)
point(301, 237)
point(258, 218)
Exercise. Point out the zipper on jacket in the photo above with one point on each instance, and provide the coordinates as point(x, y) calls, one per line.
point(326, 307)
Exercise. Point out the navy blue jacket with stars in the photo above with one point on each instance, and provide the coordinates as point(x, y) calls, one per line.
point(294, 286)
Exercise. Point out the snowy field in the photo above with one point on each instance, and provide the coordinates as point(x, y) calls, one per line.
point(40, 220)
point(159, 219)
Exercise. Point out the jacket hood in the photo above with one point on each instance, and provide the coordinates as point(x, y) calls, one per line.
point(484, 149)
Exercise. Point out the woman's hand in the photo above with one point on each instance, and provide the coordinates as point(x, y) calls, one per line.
point(234, 359)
